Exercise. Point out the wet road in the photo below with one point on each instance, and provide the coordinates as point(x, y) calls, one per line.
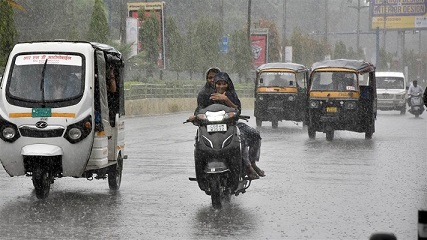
point(314, 189)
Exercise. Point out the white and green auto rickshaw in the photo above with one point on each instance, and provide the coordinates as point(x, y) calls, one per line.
point(57, 115)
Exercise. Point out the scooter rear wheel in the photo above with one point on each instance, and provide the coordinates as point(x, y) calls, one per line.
point(216, 192)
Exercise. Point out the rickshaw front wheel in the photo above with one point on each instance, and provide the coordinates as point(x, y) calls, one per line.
point(115, 174)
point(274, 123)
point(330, 135)
point(41, 182)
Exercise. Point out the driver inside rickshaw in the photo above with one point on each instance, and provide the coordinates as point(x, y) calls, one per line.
point(342, 82)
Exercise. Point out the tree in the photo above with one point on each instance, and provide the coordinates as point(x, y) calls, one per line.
point(340, 50)
point(98, 27)
point(148, 35)
point(241, 53)
point(174, 47)
point(8, 33)
point(273, 40)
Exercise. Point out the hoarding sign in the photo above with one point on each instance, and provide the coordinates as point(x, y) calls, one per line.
point(259, 44)
point(398, 14)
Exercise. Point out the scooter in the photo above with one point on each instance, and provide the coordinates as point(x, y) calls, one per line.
point(218, 155)
point(417, 106)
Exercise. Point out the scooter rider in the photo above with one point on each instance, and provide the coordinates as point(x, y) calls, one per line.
point(251, 140)
point(414, 89)
point(425, 97)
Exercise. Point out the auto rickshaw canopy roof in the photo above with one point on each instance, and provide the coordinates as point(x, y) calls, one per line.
point(295, 67)
point(358, 66)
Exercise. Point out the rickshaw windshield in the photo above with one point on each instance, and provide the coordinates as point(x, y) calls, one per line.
point(390, 82)
point(46, 77)
point(277, 79)
point(334, 81)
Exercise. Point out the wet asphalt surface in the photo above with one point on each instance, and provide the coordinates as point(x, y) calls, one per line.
point(314, 189)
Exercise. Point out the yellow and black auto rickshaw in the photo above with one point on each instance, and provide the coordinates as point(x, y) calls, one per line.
point(280, 93)
point(342, 96)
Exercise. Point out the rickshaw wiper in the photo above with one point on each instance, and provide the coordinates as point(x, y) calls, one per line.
point(42, 83)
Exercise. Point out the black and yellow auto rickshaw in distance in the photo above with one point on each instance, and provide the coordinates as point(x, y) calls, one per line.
point(280, 93)
point(342, 96)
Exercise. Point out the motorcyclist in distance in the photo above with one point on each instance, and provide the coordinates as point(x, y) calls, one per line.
point(413, 90)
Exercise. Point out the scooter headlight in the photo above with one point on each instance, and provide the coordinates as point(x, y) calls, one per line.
point(8, 133)
point(75, 133)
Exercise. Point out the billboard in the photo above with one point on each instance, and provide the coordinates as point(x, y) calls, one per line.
point(398, 14)
point(132, 35)
point(159, 9)
point(259, 45)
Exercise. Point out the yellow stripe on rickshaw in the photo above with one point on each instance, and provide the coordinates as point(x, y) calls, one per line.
point(277, 70)
point(54, 114)
point(276, 90)
point(330, 94)
point(329, 69)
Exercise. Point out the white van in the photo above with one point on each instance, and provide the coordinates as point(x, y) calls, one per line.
point(391, 91)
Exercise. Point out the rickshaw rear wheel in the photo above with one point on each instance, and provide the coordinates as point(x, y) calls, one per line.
point(41, 182)
point(258, 122)
point(330, 135)
point(311, 132)
point(115, 174)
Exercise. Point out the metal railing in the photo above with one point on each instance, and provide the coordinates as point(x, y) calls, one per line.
point(150, 90)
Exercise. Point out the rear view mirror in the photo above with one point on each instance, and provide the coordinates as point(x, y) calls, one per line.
point(261, 80)
point(291, 83)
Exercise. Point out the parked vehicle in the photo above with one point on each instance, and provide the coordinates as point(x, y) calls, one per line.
point(57, 118)
point(417, 104)
point(342, 96)
point(218, 154)
point(280, 93)
point(391, 91)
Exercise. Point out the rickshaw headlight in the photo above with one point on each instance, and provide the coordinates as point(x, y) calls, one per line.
point(9, 133)
point(314, 104)
point(350, 105)
point(260, 98)
point(291, 98)
point(75, 133)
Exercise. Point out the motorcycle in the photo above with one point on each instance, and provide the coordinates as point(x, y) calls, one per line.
point(417, 106)
point(218, 154)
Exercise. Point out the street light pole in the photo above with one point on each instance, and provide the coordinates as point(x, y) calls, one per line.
point(358, 8)
point(249, 20)
point(326, 20)
point(284, 31)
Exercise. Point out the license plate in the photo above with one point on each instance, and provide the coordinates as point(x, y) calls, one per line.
point(41, 112)
point(331, 109)
point(217, 128)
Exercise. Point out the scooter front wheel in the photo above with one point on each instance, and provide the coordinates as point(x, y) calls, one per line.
point(115, 174)
point(41, 181)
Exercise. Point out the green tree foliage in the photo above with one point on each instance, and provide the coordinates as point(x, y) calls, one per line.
point(307, 50)
point(148, 35)
point(241, 54)
point(205, 38)
point(273, 40)
point(340, 50)
point(174, 47)
point(8, 33)
point(98, 27)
